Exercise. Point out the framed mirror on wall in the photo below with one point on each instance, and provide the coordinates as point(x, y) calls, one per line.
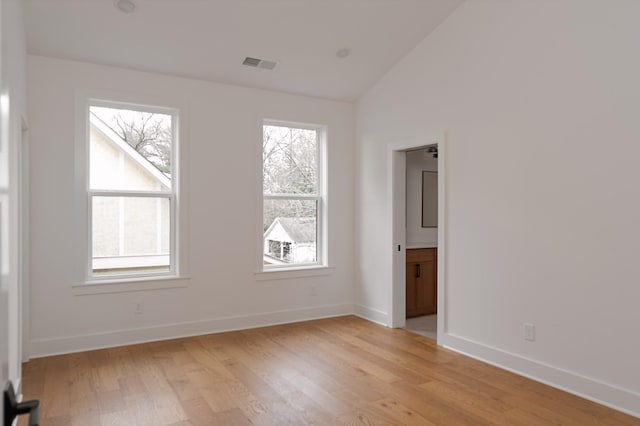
point(429, 199)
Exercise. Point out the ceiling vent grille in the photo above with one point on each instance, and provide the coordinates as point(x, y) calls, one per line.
point(267, 65)
point(251, 62)
point(259, 63)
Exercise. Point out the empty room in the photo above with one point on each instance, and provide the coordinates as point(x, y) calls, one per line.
point(329, 212)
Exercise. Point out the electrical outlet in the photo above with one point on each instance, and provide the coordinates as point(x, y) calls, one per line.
point(530, 332)
point(139, 308)
point(314, 291)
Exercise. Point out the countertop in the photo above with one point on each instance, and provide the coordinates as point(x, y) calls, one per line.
point(421, 245)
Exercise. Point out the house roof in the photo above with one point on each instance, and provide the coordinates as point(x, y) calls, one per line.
point(299, 229)
point(113, 137)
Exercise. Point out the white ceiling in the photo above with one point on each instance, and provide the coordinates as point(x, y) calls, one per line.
point(208, 39)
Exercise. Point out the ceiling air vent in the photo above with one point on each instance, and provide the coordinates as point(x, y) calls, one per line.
point(259, 63)
point(267, 65)
point(251, 62)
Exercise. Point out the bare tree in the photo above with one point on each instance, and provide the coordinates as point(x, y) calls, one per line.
point(290, 160)
point(149, 134)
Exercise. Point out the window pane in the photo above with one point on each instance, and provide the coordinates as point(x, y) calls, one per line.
point(290, 160)
point(290, 232)
point(130, 235)
point(129, 150)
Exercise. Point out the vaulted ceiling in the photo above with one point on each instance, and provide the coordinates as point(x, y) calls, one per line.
point(209, 39)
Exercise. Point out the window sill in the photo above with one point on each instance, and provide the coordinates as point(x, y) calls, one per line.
point(286, 273)
point(124, 285)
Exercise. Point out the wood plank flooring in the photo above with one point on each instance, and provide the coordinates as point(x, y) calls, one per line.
point(338, 371)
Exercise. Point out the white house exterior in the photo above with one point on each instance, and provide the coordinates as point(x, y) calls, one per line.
point(290, 240)
point(127, 232)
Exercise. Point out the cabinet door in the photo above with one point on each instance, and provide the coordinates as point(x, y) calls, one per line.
point(421, 298)
point(412, 281)
point(426, 302)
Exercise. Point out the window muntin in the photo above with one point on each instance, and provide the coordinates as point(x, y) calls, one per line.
point(131, 195)
point(292, 195)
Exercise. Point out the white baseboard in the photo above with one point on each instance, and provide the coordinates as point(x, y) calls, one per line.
point(612, 396)
point(70, 344)
point(371, 314)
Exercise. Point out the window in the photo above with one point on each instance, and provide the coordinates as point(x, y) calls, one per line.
point(131, 190)
point(293, 199)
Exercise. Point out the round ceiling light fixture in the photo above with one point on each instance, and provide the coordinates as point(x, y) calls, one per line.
point(126, 6)
point(343, 53)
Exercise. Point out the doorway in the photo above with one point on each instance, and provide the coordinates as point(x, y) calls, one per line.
point(404, 239)
point(421, 225)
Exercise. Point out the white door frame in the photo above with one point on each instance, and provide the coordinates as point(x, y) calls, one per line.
point(23, 230)
point(397, 206)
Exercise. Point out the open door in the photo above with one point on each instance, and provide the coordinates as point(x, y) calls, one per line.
point(4, 332)
point(11, 278)
point(4, 237)
point(10, 254)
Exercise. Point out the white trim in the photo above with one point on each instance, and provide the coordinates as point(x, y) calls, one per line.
point(85, 342)
point(443, 256)
point(322, 246)
point(320, 197)
point(121, 222)
point(288, 123)
point(177, 204)
point(371, 314)
point(396, 207)
point(128, 193)
point(125, 101)
point(175, 105)
point(10, 237)
point(24, 206)
point(130, 283)
point(259, 203)
point(82, 207)
point(304, 197)
point(396, 196)
point(620, 399)
point(293, 272)
point(159, 226)
point(90, 119)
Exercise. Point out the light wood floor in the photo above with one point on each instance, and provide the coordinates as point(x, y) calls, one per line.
point(327, 372)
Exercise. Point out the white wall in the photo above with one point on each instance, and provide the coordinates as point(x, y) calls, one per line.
point(12, 92)
point(540, 102)
point(223, 148)
point(417, 162)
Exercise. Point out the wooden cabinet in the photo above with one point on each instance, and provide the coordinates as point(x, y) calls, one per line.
point(422, 282)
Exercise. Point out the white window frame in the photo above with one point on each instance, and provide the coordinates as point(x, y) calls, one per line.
point(171, 195)
point(320, 197)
